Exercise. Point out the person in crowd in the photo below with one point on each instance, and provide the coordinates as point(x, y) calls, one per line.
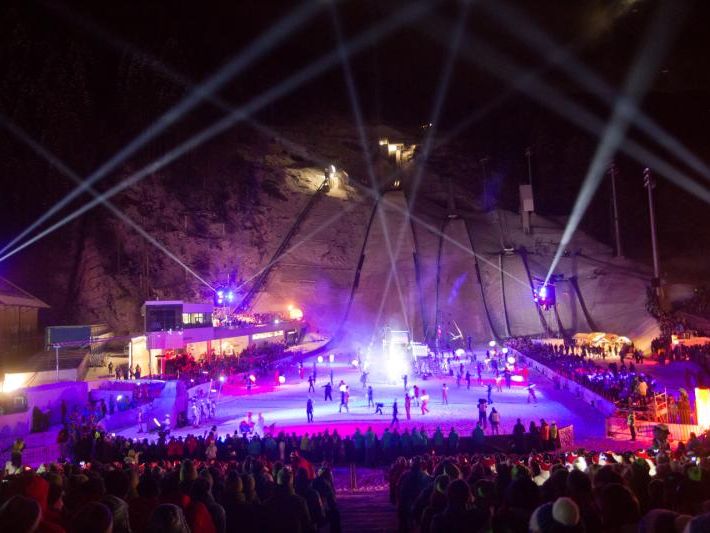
point(425, 402)
point(309, 410)
point(482, 412)
point(494, 419)
point(631, 422)
point(395, 411)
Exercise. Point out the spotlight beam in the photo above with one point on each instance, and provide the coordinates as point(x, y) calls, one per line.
point(162, 69)
point(514, 21)
point(73, 176)
point(367, 38)
point(357, 112)
point(265, 42)
point(496, 63)
point(635, 87)
point(438, 104)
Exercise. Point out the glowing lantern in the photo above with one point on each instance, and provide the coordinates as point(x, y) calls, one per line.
point(252, 378)
point(282, 379)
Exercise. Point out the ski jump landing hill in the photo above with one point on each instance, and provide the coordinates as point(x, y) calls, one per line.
point(473, 274)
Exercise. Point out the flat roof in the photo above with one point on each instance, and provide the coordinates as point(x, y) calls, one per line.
point(164, 302)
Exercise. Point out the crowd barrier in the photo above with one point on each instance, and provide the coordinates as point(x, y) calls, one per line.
point(616, 426)
point(597, 401)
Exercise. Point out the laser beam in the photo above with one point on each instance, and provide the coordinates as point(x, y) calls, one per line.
point(367, 38)
point(73, 176)
point(265, 42)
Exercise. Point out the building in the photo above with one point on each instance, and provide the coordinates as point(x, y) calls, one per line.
point(175, 327)
point(19, 312)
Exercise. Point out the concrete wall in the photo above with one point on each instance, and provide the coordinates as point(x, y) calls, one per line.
point(47, 398)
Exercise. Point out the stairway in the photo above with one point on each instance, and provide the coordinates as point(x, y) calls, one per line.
point(369, 511)
point(366, 508)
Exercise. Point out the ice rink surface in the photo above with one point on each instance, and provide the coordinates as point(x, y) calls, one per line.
point(285, 407)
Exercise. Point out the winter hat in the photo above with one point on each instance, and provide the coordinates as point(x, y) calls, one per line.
point(562, 515)
point(658, 520)
point(489, 462)
point(441, 483)
point(699, 524)
point(20, 513)
point(565, 512)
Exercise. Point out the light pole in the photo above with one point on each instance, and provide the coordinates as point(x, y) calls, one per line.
point(528, 154)
point(56, 359)
point(649, 183)
point(615, 207)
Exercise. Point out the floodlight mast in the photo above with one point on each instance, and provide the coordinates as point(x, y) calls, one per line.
point(650, 183)
point(615, 206)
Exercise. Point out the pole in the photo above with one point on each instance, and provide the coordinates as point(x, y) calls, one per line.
point(528, 154)
point(649, 184)
point(56, 359)
point(615, 206)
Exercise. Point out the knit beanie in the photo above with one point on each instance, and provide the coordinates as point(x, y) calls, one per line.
point(562, 515)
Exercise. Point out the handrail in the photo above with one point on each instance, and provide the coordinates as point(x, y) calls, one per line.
point(356, 283)
point(522, 252)
point(582, 304)
point(480, 282)
point(261, 279)
point(502, 292)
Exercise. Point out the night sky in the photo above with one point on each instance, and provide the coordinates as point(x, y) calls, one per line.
point(77, 77)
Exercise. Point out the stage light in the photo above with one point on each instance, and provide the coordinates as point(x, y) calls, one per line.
point(320, 358)
point(511, 360)
point(282, 379)
point(276, 321)
point(252, 378)
point(505, 350)
point(355, 363)
point(230, 296)
point(702, 405)
point(294, 313)
point(492, 344)
point(460, 352)
point(222, 379)
point(517, 379)
point(331, 357)
point(119, 397)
